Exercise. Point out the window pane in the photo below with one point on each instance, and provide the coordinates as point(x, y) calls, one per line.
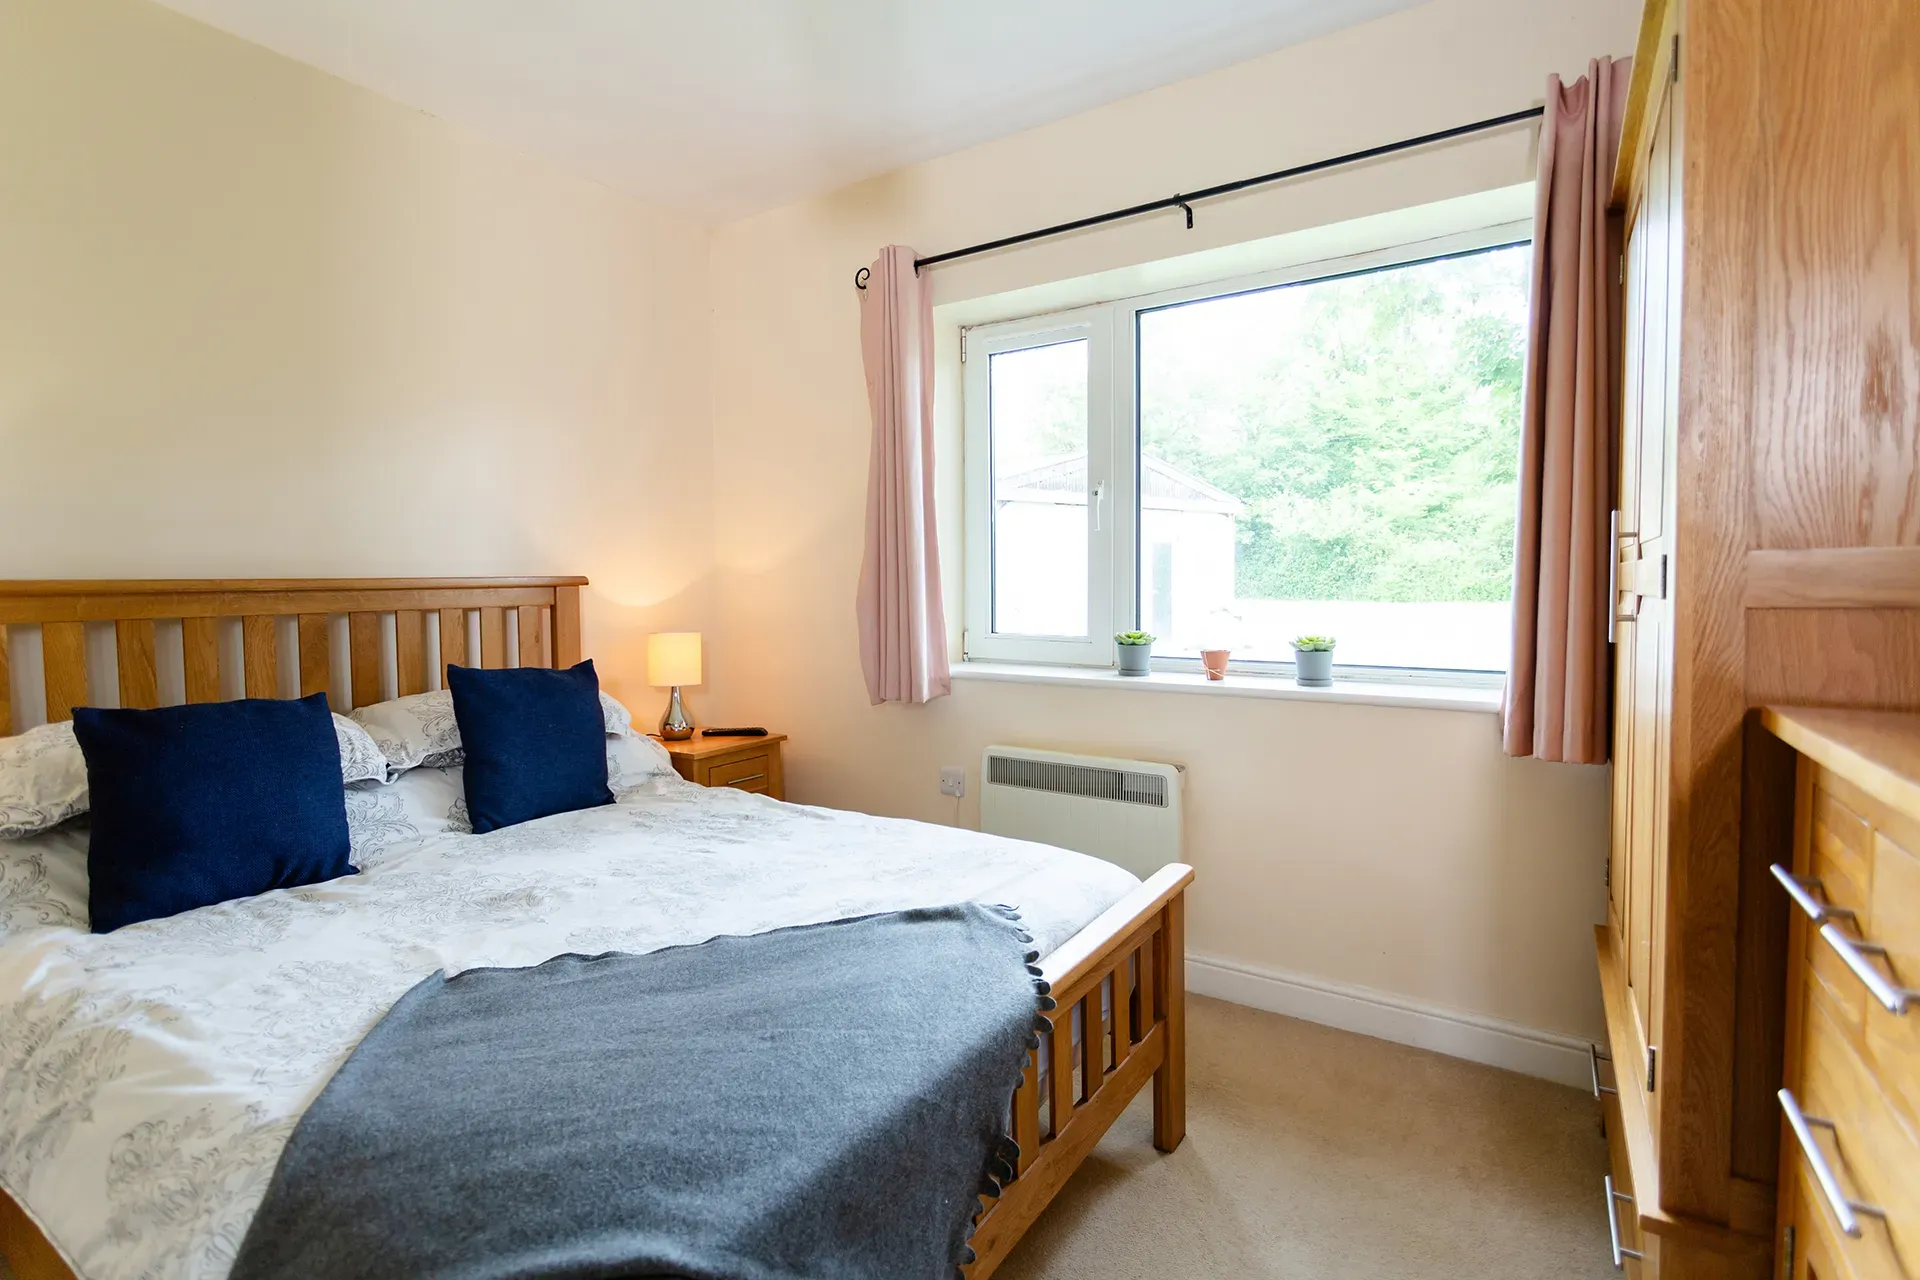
point(1337, 457)
point(1038, 402)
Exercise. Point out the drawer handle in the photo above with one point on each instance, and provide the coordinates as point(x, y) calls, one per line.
point(1620, 1251)
point(752, 777)
point(1594, 1059)
point(1803, 1125)
point(1801, 890)
point(1855, 952)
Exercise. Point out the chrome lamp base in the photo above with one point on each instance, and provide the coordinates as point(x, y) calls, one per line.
point(674, 725)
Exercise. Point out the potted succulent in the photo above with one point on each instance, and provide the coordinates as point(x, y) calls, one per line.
point(1313, 662)
point(1136, 652)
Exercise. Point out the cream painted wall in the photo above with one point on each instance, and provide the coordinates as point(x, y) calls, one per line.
point(257, 322)
point(1391, 849)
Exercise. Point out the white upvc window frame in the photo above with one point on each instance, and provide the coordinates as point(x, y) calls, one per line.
point(1110, 483)
point(1114, 457)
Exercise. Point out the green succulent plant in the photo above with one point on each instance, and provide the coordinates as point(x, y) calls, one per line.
point(1133, 637)
point(1313, 644)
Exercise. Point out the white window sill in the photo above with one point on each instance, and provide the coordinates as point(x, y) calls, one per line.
point(1432, 697)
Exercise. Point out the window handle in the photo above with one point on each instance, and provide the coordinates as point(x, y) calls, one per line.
point(1099, 506)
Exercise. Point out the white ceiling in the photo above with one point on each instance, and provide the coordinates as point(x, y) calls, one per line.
point(722, 108)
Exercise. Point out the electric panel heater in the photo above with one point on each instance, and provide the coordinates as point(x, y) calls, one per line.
point(1126, 811)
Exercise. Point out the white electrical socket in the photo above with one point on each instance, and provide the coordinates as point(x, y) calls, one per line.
point(953, 780)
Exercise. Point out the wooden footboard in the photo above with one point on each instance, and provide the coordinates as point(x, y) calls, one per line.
point(1131, 962)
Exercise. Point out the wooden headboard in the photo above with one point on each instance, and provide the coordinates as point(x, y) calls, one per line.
point(142, 643)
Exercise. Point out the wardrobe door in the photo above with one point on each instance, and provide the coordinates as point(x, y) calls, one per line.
point(1646, 642)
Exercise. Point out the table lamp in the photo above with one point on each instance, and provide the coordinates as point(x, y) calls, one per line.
point(673, 659)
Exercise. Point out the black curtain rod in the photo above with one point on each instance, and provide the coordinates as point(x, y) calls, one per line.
point(1185, 201)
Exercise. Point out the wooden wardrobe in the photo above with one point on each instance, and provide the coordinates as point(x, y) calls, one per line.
point(1767, 552)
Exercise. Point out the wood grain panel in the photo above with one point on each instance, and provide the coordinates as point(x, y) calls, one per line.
point(133, 648)
point(533, 644)
point(566, 626)
point(1834, 578)
point(316, 655)
point(453, 640)
point(261, 648)
point(6, 686)
point(363, 657)
point(1836, 414)
point(410, 651)
point(200, 658)
point(1834, 657)
point(63, 654)
point(493, 638)
point(1720, 109)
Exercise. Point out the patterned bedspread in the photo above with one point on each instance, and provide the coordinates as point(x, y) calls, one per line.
point(149, 1078)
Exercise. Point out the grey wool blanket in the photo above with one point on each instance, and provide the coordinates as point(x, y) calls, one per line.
point(822, 1101)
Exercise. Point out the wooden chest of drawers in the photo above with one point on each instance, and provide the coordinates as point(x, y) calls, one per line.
point(1850, 1150)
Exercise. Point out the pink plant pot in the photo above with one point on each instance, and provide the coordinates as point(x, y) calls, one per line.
point(1215, 661)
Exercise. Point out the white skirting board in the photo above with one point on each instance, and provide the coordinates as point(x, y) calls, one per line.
point(1547, 1054)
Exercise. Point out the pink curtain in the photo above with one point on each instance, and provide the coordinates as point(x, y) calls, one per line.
point(1556, 704)
point(903, 629)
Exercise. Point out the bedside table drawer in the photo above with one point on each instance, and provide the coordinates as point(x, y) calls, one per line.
point(749, 773)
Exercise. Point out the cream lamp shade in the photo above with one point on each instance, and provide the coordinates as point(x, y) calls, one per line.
point(673, 658)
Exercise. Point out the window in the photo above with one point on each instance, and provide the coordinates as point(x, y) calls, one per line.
point(1321, 450)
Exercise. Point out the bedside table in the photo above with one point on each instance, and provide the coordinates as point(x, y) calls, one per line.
point(745, 764)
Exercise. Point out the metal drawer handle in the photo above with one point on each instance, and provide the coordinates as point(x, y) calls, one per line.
point(1801, 890)
point(1594, 1059)
point(752, 777)
point(1855, 952)
point(1613, 1227)
point(1843, 1208)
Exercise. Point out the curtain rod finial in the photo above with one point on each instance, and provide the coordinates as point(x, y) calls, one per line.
point(861, 277)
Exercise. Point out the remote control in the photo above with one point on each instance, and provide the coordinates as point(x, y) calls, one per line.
point(752, 732)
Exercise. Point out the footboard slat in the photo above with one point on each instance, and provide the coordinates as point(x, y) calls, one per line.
point(1026, 1114)
point(1131, 961)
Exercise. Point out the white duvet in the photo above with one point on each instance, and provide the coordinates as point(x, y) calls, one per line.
point(150, 1077)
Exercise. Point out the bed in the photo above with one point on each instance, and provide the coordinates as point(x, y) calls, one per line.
point(186, 1052)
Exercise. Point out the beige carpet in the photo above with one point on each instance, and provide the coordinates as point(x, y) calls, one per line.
point(1313, 1154)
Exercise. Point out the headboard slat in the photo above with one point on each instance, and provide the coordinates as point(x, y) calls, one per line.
point(63, 652)
point(200, 658)
point(139, 676)
point(316, 666)
point(493, 638)
point(262, 661)
point(6, 685)
point(566, 625)
point(453, 640)
point(363, 657)
point(533, 645)
point(410, 651)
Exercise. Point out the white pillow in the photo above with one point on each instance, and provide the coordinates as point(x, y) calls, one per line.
point(421, 802)
point(43, 881)
point(43, 780)
point(43, 774)
point(633, 759)
point(420, 729)
point(361, 759)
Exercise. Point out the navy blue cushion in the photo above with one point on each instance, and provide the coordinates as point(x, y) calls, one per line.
point(535, 741)
point(206, 803)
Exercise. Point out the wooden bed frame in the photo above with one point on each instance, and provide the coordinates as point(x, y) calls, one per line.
point(1125, 972)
